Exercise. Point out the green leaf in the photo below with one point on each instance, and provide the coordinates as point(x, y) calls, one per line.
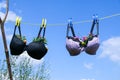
point(40, 39)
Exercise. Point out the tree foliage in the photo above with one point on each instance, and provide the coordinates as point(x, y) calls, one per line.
point(24, 70)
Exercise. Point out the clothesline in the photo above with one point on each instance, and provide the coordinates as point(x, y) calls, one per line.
point(64, 24)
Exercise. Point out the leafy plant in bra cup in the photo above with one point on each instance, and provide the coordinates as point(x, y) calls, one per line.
point(40, 39)
point(22, 38)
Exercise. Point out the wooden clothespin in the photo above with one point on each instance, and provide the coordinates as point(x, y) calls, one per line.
point(44, 23)
point(18, 21)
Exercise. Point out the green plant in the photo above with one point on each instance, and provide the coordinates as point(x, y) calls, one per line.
point(22, 37)
point(23, 70)
point(40, 39)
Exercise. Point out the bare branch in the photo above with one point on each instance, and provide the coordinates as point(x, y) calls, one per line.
point(7, 9)
point(0, 20)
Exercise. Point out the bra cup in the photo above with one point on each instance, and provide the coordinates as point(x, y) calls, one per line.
point(36, 50)
point(92, 46)
point(73, 47)
point(16, 46)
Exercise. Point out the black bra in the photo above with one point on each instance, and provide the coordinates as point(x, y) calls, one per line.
point(35, 49)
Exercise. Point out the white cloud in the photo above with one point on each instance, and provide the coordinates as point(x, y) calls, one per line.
point(2, 15)
point(2, 5)
point(11, 15)
point(111, 49)
point(88, 65)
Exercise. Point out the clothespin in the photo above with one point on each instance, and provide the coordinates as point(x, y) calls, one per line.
point(70, 22)
point(18, 21)
point(44, 23)
point(95, 18)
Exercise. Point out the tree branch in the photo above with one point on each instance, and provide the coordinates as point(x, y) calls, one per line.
point(7, 9)
point(0, 20)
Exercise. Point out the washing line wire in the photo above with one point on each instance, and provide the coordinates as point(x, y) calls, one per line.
point(64, 24)
point(106, 17)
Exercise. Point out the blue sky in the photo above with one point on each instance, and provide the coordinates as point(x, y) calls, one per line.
point(104, 65)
